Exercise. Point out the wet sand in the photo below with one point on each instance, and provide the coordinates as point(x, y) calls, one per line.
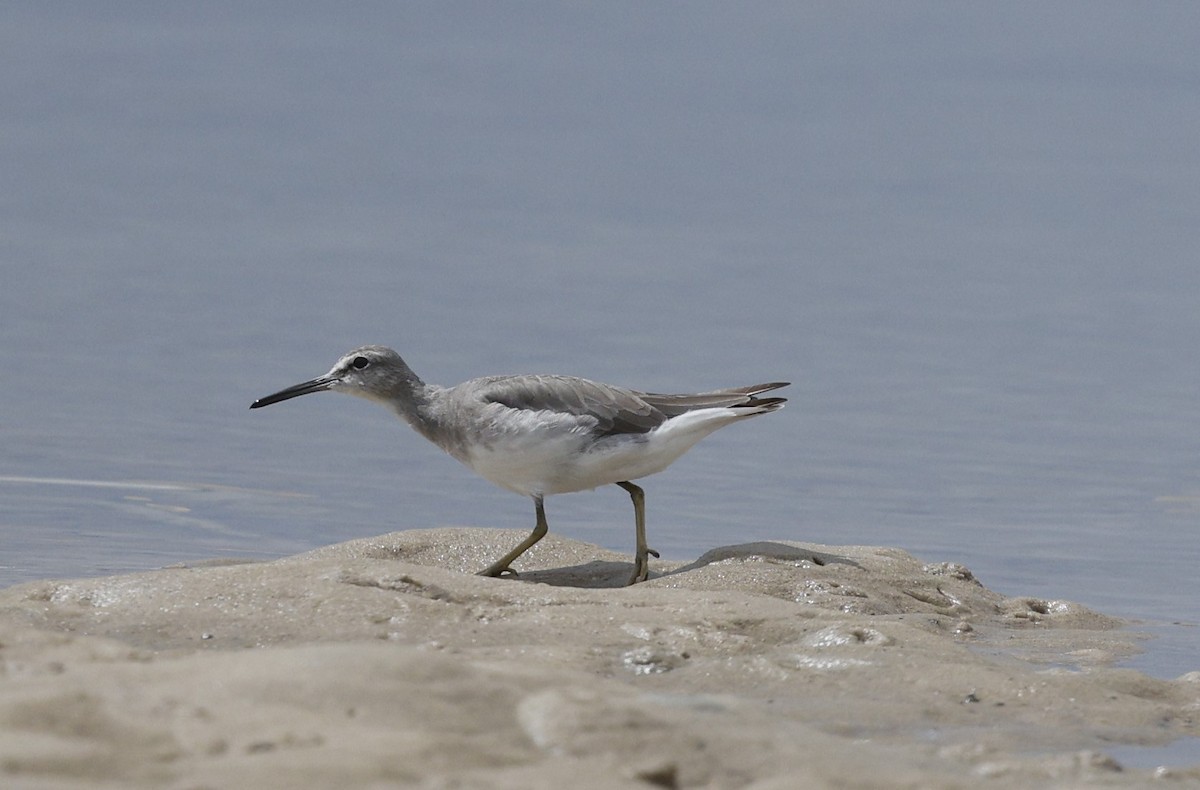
point(385, 662)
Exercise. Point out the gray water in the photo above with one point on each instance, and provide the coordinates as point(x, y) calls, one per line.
point(967, 233)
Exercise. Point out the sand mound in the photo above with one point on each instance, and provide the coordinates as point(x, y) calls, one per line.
point(383, 662)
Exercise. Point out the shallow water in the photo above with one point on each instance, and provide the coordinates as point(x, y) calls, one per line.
point(966, 236)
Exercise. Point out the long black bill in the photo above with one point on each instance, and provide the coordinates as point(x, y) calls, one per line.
point(308, 387)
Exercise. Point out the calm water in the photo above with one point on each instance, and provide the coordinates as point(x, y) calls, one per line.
point(968, 236)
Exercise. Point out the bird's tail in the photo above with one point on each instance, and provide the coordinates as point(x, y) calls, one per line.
point(737, 397)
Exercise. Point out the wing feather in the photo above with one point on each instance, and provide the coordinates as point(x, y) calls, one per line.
point(674, 405)
point(615, 410)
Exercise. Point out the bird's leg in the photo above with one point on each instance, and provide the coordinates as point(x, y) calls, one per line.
point(641, 560)
point(502, 566)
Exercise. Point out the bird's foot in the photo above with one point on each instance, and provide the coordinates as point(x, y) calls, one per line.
point(641, 566)
point(498, 572)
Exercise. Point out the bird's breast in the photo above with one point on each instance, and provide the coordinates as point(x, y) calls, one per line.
point(537, 463)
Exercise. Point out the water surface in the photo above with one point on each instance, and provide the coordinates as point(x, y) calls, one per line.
point(966, 234)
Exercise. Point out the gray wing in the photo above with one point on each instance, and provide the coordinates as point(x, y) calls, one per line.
point(616, 410)
point(673, 405)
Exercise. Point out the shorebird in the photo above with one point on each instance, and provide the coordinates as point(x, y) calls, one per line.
point(539, 435)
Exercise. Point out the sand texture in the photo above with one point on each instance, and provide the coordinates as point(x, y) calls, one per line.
point(383, 662)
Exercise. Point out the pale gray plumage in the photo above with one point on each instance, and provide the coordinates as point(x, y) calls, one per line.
point(544, 434)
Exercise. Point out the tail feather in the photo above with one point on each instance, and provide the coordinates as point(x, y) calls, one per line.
point(765, 405)
point(674, 405)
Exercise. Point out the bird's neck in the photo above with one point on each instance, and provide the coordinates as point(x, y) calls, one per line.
point(416, 406)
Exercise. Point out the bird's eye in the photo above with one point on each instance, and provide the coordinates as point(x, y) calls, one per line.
point(360, 362)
